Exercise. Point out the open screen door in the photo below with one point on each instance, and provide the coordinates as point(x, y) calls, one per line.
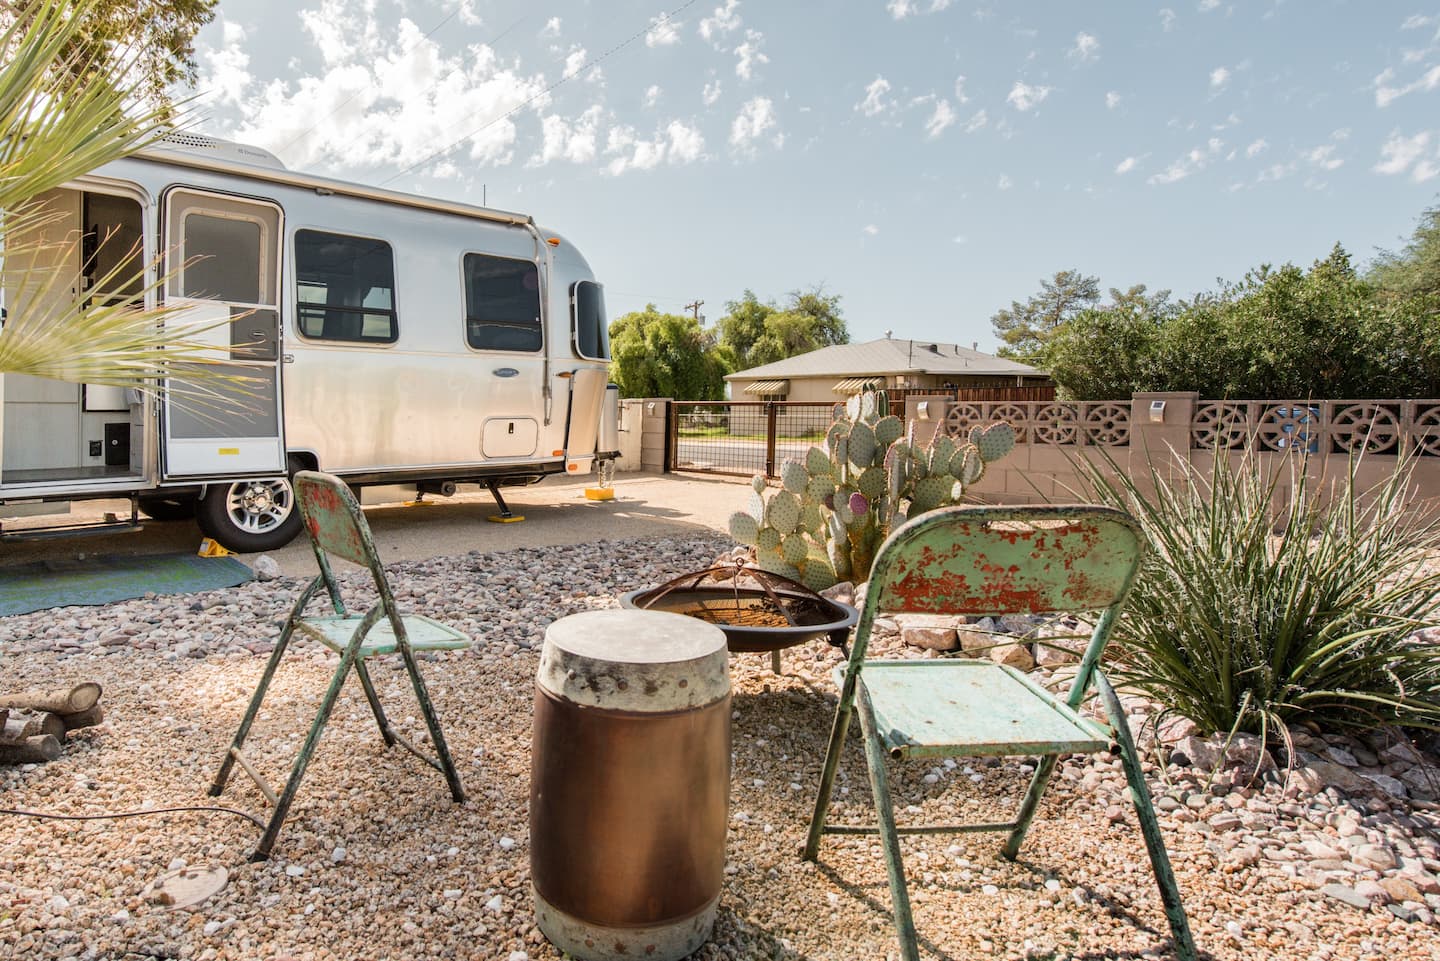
point(224, 265)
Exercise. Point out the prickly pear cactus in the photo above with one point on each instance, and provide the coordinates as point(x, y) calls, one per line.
point(835, 507)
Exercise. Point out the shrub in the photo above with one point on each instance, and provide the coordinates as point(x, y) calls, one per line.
point(1245, 617)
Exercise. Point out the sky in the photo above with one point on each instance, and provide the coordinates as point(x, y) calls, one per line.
point(928, 161)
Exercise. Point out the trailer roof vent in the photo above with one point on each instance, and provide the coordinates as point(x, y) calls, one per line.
point(220, 149)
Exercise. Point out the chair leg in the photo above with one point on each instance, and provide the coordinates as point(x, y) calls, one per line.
point(375, 708)
point(889, 839)
point(1028, 807)
point(223, 775)
point(437, 736)
point(838, 729)
point(312, 740)
point(1149, 827)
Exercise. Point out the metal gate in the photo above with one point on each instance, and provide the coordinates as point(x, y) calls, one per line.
point(721, 437)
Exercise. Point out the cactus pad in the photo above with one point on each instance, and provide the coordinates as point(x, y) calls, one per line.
point(888, 430)
point(757, 483)
point(794, 476)
point(767, 539)
point(794, 549)
point(817, 463)
point(994, 441)
point(862, 444)
point(872, 482)
point(783, 511)
point(744, 528)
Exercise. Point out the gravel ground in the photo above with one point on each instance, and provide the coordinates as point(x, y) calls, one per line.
point(378, 863)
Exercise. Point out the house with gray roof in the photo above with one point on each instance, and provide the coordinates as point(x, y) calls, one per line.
point(833, 373)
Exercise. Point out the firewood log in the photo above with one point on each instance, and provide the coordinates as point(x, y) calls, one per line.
point(73, 700)
point(30, 723)
point(84, 718)
point(29, 750)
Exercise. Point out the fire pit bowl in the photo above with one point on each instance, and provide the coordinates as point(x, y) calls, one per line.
point(758, 611)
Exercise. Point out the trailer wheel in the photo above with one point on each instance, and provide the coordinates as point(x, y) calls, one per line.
point(180, 508)
point(250, 516)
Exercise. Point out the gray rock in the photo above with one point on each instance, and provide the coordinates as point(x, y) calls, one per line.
point(1346, 895)
point(1391, 786)
point(1376, 857)
point(266, 568)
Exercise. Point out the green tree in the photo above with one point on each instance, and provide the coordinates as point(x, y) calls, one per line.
point(753, 333)
point(55, 125)
point(1026, 329)
point(1416, 268)
point(154, 38)
point(665, 355)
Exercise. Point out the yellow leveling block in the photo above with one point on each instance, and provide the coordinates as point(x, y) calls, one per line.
point(512, 519)
point(208, 548)
point(600, 493)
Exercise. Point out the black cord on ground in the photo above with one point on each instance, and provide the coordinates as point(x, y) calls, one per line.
point(134, 814)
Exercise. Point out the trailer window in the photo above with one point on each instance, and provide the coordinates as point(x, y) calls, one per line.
point(502, 303)
point(592, 336)
point(345, 288)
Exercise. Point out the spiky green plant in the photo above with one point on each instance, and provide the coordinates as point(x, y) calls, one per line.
point(1245, 620)
point(836, 506)
point(59, 120)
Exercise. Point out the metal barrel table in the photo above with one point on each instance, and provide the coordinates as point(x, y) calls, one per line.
point(630, 784)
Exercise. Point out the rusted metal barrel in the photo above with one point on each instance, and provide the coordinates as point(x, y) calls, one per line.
point(629, 784)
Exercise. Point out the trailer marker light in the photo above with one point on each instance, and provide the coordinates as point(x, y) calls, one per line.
point(553, 241)
point(557, 453)
point(229, 451)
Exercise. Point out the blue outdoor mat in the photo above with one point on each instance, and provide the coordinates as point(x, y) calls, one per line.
point(100, 580)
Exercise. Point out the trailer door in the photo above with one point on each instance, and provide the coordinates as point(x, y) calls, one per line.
point(223, 263)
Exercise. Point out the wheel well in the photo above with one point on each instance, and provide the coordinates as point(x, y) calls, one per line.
point(302, 460)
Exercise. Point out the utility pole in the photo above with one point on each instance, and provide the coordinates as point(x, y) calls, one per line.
point(695, 308)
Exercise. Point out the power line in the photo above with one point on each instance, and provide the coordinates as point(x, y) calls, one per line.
point(346, 102)
point(565, 78)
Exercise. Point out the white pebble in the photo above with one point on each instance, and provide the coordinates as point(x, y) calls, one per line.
point(519, 956)
point(454, 893)
point(507, 843)
point(989, 889)
point(294, 870)
point(338, 855)
point(495, 904)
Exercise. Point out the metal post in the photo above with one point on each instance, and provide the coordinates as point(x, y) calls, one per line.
point(770, 437)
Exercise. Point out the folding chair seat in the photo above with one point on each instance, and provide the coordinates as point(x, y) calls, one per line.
point(990, 561)
point(336, 525)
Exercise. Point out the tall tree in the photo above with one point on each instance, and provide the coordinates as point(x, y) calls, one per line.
point(150, 42)
point(665, 355)
point(752, 333)
point(1026, 329)
point(1416, 268)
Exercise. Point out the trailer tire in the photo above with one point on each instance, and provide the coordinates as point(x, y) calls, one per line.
point(180, 508)
point(250, 516)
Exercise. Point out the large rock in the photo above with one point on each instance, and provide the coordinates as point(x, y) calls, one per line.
point(1246, 753)
point(930, 638)
point(266, 568)
point(1014, 655)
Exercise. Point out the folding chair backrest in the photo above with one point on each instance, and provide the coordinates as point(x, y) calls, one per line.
point(333, 518)
point(1008, 560)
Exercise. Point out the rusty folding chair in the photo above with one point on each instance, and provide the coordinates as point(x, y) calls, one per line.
point(336, 525)
point(991, 561)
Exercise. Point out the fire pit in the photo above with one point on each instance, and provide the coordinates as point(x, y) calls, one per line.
point(758, 611)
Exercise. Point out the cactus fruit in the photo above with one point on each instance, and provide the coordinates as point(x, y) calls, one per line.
point(837, 505)
point(744, 528)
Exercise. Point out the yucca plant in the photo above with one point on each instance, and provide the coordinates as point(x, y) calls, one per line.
point(59, 120)
point(1254, 615)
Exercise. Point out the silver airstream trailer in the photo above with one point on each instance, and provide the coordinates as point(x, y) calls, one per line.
point(385, 337)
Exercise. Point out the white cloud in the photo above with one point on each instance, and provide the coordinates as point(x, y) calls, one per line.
point(575, 62)
point(900, 9)
point(1112, 99)
point(942, 117)
point(1086, 48)
point(1324, 157)
point(226, 72)
point(469, 17)
point(757, 117)
point(1256, 148)
point(870, 229)
point(960, 96)
point(1167, 19)
point(1207, 5)
point(551, 28)
point(663, 32)
point(1126, 165)
point(1415, 21)
point(976, 121)
point(652, 95)
point(1003, 183)
point(677, 143)
point(1024, 97)
point(711, 93)
point(1219, 77)
point(1385, 94)
point(563, 139)
point(1400, 154)
point(748, 55)
point(1195, 160)
point(875, 101)
point(960, 239)
point(724, 20)
point(384, 95)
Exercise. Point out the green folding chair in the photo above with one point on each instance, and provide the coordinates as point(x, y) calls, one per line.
point(990, 561)
point(336, 525)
